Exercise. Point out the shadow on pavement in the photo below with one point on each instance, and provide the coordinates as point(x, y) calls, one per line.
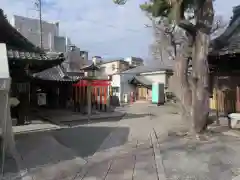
point(110, 119)
point(67, 144)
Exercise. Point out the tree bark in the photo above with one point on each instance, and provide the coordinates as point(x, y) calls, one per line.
point(179, 84)
point(200, 82)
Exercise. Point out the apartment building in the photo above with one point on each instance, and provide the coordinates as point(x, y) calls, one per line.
point(30, 28)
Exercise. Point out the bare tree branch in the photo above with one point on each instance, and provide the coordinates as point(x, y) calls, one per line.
point(218, 26)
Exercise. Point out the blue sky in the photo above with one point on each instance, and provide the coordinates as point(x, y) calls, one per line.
point(100, 26)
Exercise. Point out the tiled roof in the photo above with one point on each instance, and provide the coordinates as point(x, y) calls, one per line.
point(90, 67)
point(145, 69)
point(15, 54)
point(229, 41)
point(56, 74)
point(111, 60)
point(141, 80)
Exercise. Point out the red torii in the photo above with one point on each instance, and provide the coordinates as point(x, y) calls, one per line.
point(101, 85)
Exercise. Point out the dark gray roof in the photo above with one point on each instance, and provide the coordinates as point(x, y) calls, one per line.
point(91, 67)
point(141, 80)
point(55, 74)
point(145, 69)
point(21, 55)
point(229, 41)
point(112, 60)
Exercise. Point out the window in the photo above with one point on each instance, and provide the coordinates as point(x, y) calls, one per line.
point(102, 69)
point(113, 67)
point(115, 89)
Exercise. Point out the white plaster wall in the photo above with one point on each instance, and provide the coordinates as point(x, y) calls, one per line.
point(116, 82)
point(126, 88)
point(157, 78)
point(108, 68)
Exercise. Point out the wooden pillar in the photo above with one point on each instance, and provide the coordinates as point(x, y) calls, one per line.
point(238, 99)
point(89, 94)
point(96, 97)
point(108, 97)
point(83, 98)
point(75, 98)
point(92, 95)
point(217, 97)
point(80, 98)
point(100, 98)
point(105, 98)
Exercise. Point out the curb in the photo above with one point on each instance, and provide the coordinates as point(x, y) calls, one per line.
point(36, 130)
point(83, 120)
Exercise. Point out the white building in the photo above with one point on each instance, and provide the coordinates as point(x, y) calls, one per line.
point(110, 67)
point(139, 80)
point(134, 61)
point(30, 28)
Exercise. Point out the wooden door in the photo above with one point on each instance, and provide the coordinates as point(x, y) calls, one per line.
point(142, 93)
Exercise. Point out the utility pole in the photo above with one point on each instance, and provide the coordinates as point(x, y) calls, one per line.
point(38, 4)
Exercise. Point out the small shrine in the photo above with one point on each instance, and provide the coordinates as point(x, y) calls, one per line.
point(91, 91)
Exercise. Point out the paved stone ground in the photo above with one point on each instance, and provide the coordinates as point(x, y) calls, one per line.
point(140, 146)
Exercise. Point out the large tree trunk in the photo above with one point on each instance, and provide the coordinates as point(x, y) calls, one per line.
point(200, 83)
point(192, 90)
point(180, 86)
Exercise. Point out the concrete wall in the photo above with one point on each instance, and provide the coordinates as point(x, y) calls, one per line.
point(4, 69)
point(122, 81)
point(30, 28)
point(74, 60)
point(110, 68)
point(59, 44)
point(126, 88)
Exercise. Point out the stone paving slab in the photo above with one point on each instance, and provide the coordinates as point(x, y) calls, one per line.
point(135, 165)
